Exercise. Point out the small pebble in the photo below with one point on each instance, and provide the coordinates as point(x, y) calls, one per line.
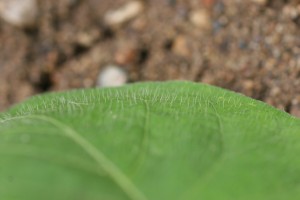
point(20, 13)
point(261, 2)
point(200, 18)
point(295, 107)
point(112, 76)
point(124, 14)
point(87, 39)
point(291, 12)
point(126, 56)
point(180, 46)
point(275, 91)
point(248, 85)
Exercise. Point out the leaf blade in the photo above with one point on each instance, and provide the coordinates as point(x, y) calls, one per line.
point(183, 138)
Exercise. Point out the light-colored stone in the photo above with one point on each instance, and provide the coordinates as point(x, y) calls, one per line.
point(20, 13)
point(248, 84)
point(112, 76)
point(88, 38)
point(124, 14)
point(180, 46)
point(291, 12)
point(200, 18)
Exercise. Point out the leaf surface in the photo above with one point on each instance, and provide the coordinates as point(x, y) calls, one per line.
point(148, 141)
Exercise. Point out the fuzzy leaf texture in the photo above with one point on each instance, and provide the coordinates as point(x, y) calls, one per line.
point(148, 141)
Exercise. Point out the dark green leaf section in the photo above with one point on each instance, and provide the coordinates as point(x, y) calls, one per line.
point(148, 141)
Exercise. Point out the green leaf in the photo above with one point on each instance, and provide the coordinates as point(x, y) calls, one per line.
point(148, 141)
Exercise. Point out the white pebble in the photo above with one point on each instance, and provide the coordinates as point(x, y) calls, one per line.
point(124, 14)
point(112, 76)
point(200, 18)
point(20, 13)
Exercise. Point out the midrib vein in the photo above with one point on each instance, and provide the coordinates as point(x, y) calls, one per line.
point(109, 167)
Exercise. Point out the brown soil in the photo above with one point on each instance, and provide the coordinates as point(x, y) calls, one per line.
point(252, 47)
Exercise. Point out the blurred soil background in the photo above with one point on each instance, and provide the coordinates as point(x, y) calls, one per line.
point(249, 46)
